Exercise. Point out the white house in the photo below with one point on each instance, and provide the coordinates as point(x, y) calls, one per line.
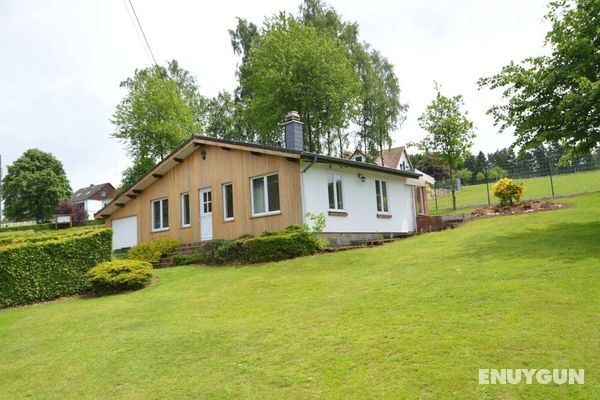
point(92, 198)
point(214, 188)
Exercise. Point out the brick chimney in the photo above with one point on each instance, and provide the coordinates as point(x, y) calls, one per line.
point(294, 131)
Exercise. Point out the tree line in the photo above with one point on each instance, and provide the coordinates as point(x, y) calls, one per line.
point(314, 62)
point(540, 161)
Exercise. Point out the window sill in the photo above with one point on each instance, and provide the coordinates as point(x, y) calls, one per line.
point(269, 214)
point(384, 215)
point(186, 226)
point(337, 213)
point(229, 220)
point(159, 230)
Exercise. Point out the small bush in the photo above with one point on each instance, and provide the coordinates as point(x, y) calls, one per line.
point(196, 257)
point(213, 252)
point(281, 246)
point(120, 275)
point(219, 252)
point(153, 250)
point(508, 192)
point(317, 222)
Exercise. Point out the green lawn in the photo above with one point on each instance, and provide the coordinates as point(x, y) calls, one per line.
point(535, 188)
point(412, 319)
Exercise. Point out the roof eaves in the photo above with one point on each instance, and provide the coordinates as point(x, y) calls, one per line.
point(373, 167)
point(195, 141)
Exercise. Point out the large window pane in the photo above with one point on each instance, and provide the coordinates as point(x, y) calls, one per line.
point(185, 209)
point(228, 200)
point(384, 195)
point(338, 192)
point(273, 192)
point(165, 213)
point(378, 195)
point(156, 215)
point(258, 195)
point(331, 192)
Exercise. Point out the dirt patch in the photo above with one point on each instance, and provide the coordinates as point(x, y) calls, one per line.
point(521, 208)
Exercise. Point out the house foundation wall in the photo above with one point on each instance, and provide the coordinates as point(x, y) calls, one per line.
point(337, 239)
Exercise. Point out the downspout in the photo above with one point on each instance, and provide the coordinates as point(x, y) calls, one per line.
point(314, 160)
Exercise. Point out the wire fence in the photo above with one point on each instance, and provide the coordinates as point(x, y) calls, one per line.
point(541, 180)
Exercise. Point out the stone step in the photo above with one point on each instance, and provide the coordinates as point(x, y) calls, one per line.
point(184, 250)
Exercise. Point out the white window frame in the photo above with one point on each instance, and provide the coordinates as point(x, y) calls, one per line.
point(183, 224)
point(225, 217)
point(381, 202)
point(335, 192)
point(266, 196)
point(162, 228)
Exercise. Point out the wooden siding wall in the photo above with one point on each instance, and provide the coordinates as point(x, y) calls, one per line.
point(220, 166)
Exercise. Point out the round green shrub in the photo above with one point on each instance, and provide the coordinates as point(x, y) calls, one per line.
point(120, 275)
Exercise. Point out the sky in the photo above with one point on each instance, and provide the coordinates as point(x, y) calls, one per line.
point(62, 61)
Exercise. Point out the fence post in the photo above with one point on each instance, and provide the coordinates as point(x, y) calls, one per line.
point(551, 180)
point(487, 185)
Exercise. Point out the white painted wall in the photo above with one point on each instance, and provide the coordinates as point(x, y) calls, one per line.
point(359, 200)
point(92, 207)
point(404, 159)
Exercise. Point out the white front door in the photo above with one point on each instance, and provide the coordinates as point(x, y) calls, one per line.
point(205, 214)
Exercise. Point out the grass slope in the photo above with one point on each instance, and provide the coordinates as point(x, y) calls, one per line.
point(413, 319)
point(535, 188)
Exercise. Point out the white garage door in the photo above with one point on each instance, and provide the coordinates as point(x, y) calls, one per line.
point(124, 232)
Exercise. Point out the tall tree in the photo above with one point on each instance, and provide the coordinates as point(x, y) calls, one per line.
point(380, 110)
point(376, 108)
point(431, 164)
point(556, 97)
point(34, 186)
point(162, 109)
point(294, 68)
point(245, 36)
point(504, 158)
point(450, 133)
point(481, 163)
point(222, 117)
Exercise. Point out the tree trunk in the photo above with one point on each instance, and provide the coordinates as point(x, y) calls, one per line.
point(341, 140)
point(309, 131)
point(381, 152)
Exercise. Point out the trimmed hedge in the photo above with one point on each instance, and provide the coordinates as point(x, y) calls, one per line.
point(281, 246)
point(295, 241)
point(153, 250)
point(32, 236)
point(42, 268)
point(120, 275)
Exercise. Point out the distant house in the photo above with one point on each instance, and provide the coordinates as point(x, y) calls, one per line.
point(214, 188)
point(92, 198)
point(398, 158)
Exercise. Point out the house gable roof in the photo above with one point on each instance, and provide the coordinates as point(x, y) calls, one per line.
point(391, 157)
point(187, 148)
point(89, 192)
